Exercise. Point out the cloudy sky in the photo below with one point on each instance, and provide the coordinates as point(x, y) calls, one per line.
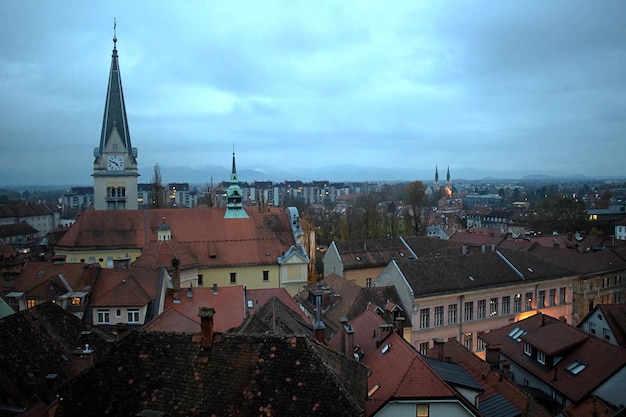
point(317, 90)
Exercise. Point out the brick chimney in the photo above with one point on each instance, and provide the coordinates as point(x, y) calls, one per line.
point(176, 280)
point(438, 345)
point(492, 355)
point(319, 328)
point(206, 327)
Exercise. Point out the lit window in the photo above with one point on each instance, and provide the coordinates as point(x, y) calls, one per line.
point(517, 303)
point(468, 341)
point(493, 307)
point(76, 301)
point(422, 410)
point(30, 303)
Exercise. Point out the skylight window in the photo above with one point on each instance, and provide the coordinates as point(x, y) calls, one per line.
point(516, 334)
point(386, 348)
point(576, 367)
point(358, 258)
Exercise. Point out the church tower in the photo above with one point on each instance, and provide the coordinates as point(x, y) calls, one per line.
point(234, 195)
point(115, 165)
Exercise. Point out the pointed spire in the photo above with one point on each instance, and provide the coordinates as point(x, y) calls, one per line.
point(115, 118)
point(448, 174)
point(436, 174)
point(234, 195)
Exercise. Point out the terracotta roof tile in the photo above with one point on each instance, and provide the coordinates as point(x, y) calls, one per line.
point(399, 371)
point(203, 235)
point(602, 359)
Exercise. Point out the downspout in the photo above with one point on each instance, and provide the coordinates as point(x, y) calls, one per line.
point(461, 312)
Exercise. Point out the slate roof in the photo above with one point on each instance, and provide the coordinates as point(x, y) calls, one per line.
point(38, 342)
point(499, 395)
point(582, 262)
point(343, 298)
point(202, 233)
point(450, 271)
point(260, 296)
point(16, 229)
point(602, 359)
point(274, 316)
point(242, 375)
point(357, 254)
point(27, 209)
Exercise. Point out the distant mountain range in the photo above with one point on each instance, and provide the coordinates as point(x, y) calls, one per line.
point(338, 173)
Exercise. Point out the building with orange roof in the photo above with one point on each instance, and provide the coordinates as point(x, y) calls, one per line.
point(400, 382)
point(557, 361)
point(67, 285)
point(264, 250)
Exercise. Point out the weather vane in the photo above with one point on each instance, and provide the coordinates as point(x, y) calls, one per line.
point(114, 31)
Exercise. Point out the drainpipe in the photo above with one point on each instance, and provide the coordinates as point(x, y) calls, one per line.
point(461, 312)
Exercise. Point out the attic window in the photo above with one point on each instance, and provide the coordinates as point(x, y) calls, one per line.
point(385, 348)
point(358, 258)
point(576, 367)
point(516, 334)
point(530, 269)
point(402, 254)
point(41, 273)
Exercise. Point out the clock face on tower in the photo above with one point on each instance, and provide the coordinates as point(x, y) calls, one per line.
point(115, 163)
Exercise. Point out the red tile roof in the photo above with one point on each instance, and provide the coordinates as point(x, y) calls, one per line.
point(202, 234)
point(602, 359)
point(400, 372)
point(133, 287)
point(228, 304)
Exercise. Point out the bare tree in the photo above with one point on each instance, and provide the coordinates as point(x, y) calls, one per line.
point(416, 196)
point(158, 190)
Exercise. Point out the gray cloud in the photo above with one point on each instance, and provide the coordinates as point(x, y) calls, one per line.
point(500, 87)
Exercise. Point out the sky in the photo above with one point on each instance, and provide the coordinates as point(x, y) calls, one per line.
point(335, 90)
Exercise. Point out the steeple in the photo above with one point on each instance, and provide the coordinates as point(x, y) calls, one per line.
point(115, 118)
point(234, 195)
point(436, 176)
point(115, 160)
point(448, 175)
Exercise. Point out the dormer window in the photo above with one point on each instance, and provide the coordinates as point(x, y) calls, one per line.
point(541, 357)
point(528, 350)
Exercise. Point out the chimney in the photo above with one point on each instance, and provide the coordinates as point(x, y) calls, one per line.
point(492, 356)
point(438, 345)
point(349, 340)
point(176, 280)
point(319, 328)
point(506, 369)
point(206, 327)
point(343, 322)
